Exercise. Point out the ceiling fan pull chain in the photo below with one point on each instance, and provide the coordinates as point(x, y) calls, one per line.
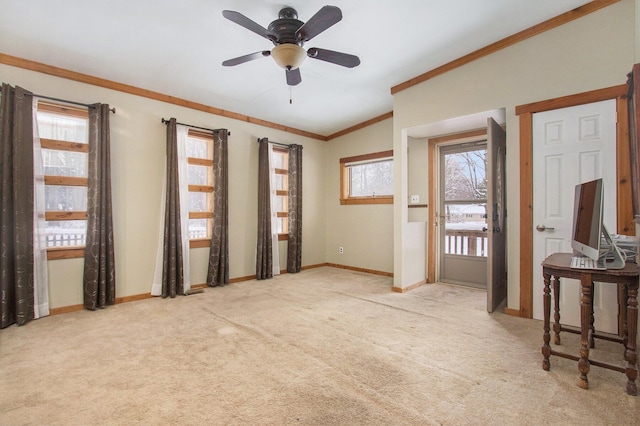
point(290, 100)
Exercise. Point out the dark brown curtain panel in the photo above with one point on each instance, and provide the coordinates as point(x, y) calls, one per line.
point(294, 246)
point(264, 256)
point(16, 207)
point(172, 261)
point(218, 271)
point(99, 282)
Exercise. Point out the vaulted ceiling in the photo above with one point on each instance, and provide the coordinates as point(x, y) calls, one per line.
point(176, 48)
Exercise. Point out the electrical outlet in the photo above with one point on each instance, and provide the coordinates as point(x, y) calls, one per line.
point(415, 199)
point(341, 250)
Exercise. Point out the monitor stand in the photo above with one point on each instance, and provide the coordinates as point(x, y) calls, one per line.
point(611, 251)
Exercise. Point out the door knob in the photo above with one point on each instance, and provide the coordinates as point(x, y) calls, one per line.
point(542, 228)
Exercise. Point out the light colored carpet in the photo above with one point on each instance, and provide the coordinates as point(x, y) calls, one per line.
point(326, 346)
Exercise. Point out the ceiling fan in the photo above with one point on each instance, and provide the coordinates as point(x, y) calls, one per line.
point(289, 35)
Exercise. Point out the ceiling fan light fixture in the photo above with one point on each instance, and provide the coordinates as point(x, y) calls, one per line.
point(288, 56)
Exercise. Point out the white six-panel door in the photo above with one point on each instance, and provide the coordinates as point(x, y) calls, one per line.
point(570, 146)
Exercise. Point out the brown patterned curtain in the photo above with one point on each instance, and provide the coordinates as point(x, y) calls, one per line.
point(16, 207)
point(99, 282)
point(172, 259)
point(294, 246)
point(218, 272)
point(264, 256)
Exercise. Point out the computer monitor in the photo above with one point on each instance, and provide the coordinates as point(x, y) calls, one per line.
point(590, 237)
point(587, 218)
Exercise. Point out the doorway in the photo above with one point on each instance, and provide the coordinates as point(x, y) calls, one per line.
point(573, 145)
point(488, 146)
point(462, 214)
point(487, 130)
point(625, 223)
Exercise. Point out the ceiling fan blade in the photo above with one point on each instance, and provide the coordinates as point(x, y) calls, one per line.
point(243, 21)
point(323, 19)
point(337, 58)
point(246, 58)
point(293, 77)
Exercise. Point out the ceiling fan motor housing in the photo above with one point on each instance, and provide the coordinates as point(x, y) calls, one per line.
point(288, 13)
point(284, 29)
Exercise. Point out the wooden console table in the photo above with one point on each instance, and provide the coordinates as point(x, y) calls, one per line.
point(557, 266)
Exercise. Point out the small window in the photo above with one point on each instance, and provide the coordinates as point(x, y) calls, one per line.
point(367, 179)
point(63, 132)
point(281, 165)
point(200, 179)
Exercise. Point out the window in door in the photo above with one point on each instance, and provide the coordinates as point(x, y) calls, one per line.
point(465, 201)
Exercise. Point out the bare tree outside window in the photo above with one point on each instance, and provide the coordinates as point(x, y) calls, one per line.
point(466, 175)
point(465, 201)
point(371, 179)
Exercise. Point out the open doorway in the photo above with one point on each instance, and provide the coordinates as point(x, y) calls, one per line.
point(462, 213)
point(470, 221)
point(486, 127)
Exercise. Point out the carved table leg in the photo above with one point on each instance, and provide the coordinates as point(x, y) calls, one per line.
point(623, 314)
point(592, 327)
point(556, 310)
point(546, 337)
point(585, 318)
point(632, 321)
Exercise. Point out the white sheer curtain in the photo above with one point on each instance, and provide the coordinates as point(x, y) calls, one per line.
point(183, 167)
point(183, 176)
point(40, 277)
point(274, 213)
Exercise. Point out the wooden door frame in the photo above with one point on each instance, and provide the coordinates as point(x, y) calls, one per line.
point(623, 172)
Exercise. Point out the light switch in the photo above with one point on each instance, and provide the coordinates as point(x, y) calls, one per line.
point(415, 199)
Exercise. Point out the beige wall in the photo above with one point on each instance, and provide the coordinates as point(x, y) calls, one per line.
point(590, 53)
point(365, 231)
point(594, 52)
point(417, 178)
point(138, 150)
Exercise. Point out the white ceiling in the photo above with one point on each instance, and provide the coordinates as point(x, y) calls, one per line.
point(177, 48)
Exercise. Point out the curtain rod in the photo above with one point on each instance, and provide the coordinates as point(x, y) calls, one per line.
point(276, 143)
point(113, 110)
point(197, 127)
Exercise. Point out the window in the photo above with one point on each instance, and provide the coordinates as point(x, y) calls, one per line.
point(464, 198)
point(281, 164)
point(63, 132)
point(200, 170)
point(367, 179)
